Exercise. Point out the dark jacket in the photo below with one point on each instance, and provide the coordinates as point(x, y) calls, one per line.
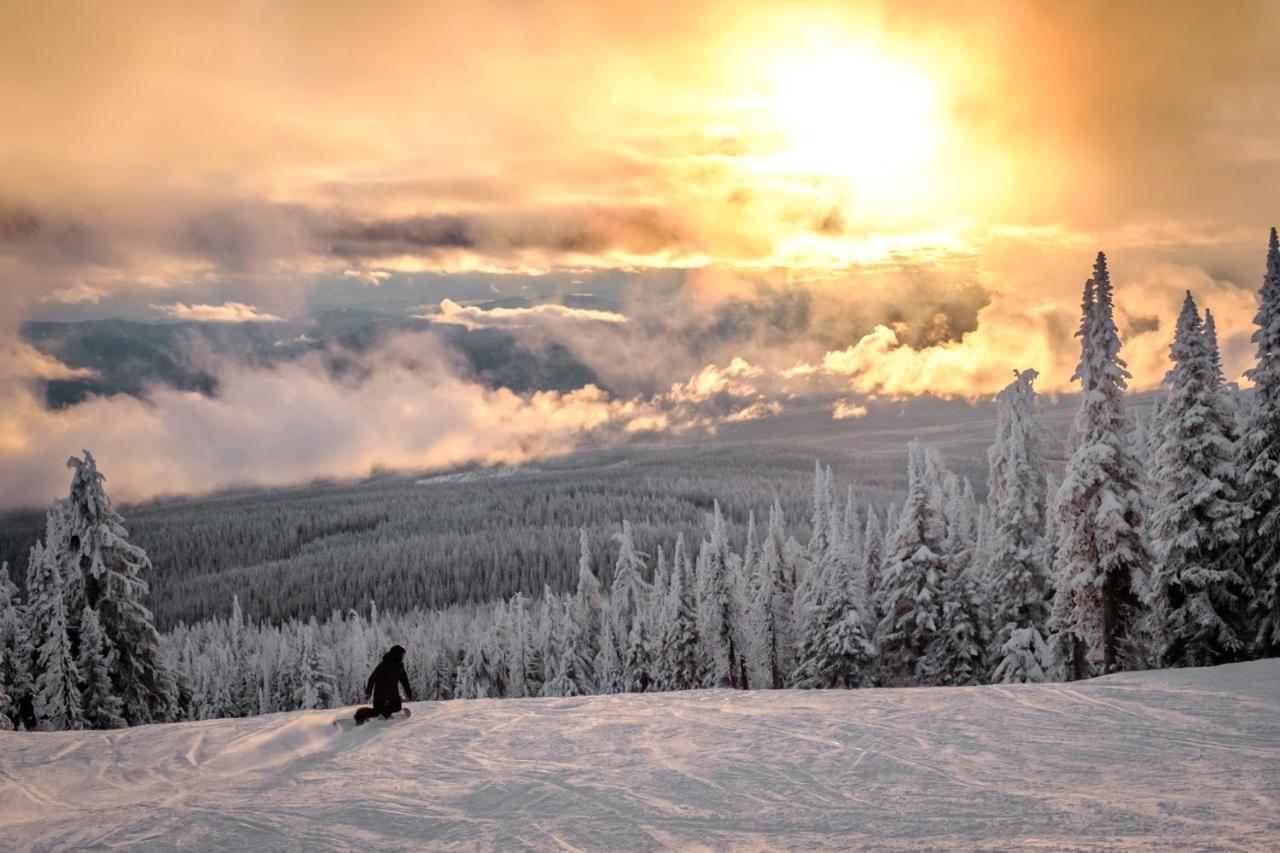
point(27, 712)
point(387, 678)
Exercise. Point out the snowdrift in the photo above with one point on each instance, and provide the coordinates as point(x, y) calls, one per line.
point(1178, 758)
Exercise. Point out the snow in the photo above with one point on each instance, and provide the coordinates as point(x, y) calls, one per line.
point(1183, 759)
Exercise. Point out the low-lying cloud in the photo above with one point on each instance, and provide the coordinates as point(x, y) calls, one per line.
point(404, 406)
point(229, 312)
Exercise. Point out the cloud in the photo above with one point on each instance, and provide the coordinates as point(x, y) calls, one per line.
point(78, 294)
point(753, 412)
point(373, 278)
point(20, 363)
point(848, 410)
point(475, 317)
point(401, 406)
point(230, 312)
point(732, 380)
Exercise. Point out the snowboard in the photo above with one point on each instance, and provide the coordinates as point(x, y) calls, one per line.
point(346, 724)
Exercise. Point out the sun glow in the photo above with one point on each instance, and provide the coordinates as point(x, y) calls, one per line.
point(858, 115)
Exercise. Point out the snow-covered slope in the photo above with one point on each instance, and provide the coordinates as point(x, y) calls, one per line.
point(1182, 759)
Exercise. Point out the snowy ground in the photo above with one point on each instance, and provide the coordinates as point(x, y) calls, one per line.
point(1177, 759)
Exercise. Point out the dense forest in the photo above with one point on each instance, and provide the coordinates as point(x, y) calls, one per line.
point(1155, 544)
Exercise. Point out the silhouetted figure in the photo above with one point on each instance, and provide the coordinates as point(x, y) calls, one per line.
point(384, 686)
point(27, 711)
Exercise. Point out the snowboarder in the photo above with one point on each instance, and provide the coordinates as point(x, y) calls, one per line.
point(384, 686)
point(27, 711)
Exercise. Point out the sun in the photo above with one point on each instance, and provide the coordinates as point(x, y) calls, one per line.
point(851, 113)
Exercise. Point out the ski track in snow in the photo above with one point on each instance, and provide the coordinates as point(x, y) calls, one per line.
point(1179, 759)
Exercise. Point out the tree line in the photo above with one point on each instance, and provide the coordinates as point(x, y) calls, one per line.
point(1157, 544)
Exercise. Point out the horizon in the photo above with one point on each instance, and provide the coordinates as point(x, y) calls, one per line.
point(571, 226)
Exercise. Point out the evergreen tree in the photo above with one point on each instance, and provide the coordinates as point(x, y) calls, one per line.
point(1259, 460)
point(678, 645)
point(771, 610)
point(314, 688)
point(873, 551)
point(588, 609)
point(638, 665)
point(1017, 578)
point(100, 705)
point(608, 663)
point(627, 596)
point(15, 647)
point(716, 608)
point(1023, 659)
point(1198, 586)
point(841, 653)
point(569, 677)
point(57, 683)
point(1101, 554)
point(112, 571)
point(955, 653)
point(909, 590)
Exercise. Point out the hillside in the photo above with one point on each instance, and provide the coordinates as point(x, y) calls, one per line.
point(1182, 759)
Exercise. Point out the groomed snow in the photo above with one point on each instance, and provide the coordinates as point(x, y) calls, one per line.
point(1183, 759)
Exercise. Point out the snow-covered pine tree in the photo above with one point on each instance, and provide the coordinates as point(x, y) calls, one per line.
point(1023, 659)
point(1018, 583)
point(6, 722)
point(628, 594)
point(101, 707)
point(841, 653)
point(678, 646)
point(716, 607)
point(57, 681)
point(588, 607)
point(851, 534)
point(608, 663)
point(873, 551)
point(15, 647)
point(909, 590)
point(955, 654)
point(568, 677)
point(811, 583)
point(314, 688)
point(771, 609)
point(1101, 555)
point(638, 666)
point(113, 569)
point(1198, 584)
point(516, 643)
point(1258, 461)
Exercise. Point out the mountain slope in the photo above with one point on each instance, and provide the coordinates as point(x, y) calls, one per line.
point(1179, 758)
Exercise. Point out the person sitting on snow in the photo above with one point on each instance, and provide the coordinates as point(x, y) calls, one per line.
point(384, 686)
point(27, 711)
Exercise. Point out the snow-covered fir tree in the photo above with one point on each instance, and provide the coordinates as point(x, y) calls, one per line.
point(94, 548)
point(1259, 460)
point(57, 685)
point(716, 608)
point(100, 706)
point(588, 609)
point(1102, 555)
point(608, 663)
point(628, 594)
point(840, 653)
point(910, 585)
point(1017, 579)
point(873, 552)
point(15, 647)
point(678, 646)
point(1198, 586)
point(955, 653)
point(771, 608)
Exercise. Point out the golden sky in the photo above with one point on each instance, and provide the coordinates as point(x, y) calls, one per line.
point(839, 148)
